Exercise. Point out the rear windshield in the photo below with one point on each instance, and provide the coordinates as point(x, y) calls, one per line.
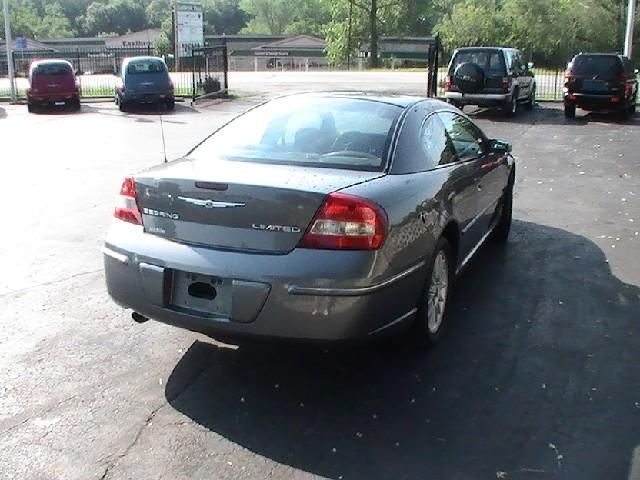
point(321, 132)
point(491, 61)
point(596, 65)
point(150, 65)
point(51, 69)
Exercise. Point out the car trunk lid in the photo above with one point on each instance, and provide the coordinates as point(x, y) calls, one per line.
point(237, 205)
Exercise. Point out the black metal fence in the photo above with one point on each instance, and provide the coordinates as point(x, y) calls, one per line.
point(97, 70)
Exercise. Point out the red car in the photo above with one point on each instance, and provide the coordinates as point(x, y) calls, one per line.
point(53, 82)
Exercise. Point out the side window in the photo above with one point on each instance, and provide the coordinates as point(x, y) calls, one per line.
point(465, 136)
point(435, 142)
point(516, 64)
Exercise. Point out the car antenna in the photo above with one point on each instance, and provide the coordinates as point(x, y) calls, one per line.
point(164, 147)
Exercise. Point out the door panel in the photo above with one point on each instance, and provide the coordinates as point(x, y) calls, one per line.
point(471, 199)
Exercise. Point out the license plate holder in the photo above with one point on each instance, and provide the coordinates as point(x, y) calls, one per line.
point(595, 85)
point(206, 294)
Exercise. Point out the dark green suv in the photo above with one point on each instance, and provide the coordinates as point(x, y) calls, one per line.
point(490, 77)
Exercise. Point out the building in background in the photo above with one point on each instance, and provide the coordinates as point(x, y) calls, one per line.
point(266, 52)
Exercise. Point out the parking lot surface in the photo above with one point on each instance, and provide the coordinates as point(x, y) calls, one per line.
point(538, 376)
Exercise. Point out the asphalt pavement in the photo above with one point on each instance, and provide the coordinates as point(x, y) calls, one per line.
point(537, 377)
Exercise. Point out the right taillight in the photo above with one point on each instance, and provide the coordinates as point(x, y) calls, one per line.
point(127, 207)
point(346, 222)
point(568, 75)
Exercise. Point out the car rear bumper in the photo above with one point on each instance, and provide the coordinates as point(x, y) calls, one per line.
point(601, 102)
point(480, 99)
point(154, 97)
point(52, 97)
point(305, 294)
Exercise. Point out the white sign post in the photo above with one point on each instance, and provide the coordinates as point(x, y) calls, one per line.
point(8, 41)
point(189, 30)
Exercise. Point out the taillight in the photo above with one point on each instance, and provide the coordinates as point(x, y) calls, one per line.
point(120, 84)
point(505, 84)
point(568, 75)
point(127, 206)
point(448, 82)
point(345, 222)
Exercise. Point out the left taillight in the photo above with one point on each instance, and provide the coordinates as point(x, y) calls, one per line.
point(127, 206)
point(346, 222)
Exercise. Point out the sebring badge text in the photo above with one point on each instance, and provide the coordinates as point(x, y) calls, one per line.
point(159, 213)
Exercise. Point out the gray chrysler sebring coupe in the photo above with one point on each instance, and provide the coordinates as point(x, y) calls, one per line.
point(319, 217)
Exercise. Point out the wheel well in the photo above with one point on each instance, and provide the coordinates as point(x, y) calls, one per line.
point(452, 233)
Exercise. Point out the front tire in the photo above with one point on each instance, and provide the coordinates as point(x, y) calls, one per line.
point(511, 107)
point(570, 111)
point(503, 227)
point(531, 102)
point(432, 306)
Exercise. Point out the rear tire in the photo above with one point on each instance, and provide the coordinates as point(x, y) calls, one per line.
point(432, 311)
point(121, 106)
point(570, 111)
point(30, 108)
point(171, 105)
point(503, 227)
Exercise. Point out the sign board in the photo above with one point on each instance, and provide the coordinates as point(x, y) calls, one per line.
point(189, 28)
point(21, 43)
point(364, 54)
point(260, 53)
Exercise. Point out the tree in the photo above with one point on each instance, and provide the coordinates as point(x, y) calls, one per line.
point(28, 20)
point(224, 16)
point(114, 16)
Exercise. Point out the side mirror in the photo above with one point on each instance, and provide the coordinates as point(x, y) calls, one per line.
point(530, 65)
point(498, 146)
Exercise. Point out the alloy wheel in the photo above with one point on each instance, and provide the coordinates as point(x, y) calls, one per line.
point(437, 293)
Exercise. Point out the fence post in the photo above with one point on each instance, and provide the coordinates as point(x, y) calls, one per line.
point(555, 85)
point(225, 64)
point(193, 77)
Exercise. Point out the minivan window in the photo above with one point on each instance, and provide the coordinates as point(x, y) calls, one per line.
point(145, 66)
point(596, 65)
point(321, 132)
point(51, 69)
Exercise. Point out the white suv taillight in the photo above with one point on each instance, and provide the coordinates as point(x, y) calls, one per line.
point(127, 207)
point(346, 222)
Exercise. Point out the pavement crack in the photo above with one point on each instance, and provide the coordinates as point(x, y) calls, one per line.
point(51, 282)
point(44, 412)
point(109, 468)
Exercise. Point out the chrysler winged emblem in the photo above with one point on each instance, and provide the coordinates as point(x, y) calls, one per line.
point(210, 203)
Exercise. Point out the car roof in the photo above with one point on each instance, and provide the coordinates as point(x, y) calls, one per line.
point(402, 101)
point(50, 61)
point(141, 59)
point(462, 49)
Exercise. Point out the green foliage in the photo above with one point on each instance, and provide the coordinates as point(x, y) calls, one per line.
point(548, 31)
point(35, 20)
point(117, 16)
point(224, 16)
